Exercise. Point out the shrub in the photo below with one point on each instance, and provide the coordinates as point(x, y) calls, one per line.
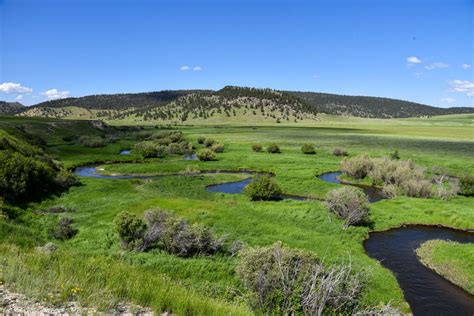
point(165, 231)
point(61, 209)
point(24, 178)
point(206, 155)
point(467, 185)
point(273, 149)
point(149, 149)
point(357, 167)
point(208, 142)
point(416, 188)
point(200, 140)
point(130, 229)
point(63, 229)
point(91, 141)
point(218, 148)
point(308, 149)
point(65, 179)
point(349, 204)
point(287, 281)
point(339, 152)
point(263, 187)
point(257, 148)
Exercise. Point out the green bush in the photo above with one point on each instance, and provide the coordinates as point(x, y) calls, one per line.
point(257, 148)
point(467, 185)
point(130, 229)
point(208, 142)
point(149, 149)
point(63, 229)
point(24, 178)
point(165, 231)
point(349, 204)
point(263, 187)
point(200, 140)
point(395, 155)
point(273, 149)
point(286, 281)
point(206, 155)
point(308, 149)
point(357, 167)
point(218, 148)
point(91, 141)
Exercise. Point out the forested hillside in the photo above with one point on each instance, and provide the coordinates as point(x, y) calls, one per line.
point(373, 107)
point(9, 108)
point(231, 103)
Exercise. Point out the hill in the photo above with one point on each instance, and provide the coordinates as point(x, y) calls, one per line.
point(240, 104)
point(372, 107)
point(10, 108)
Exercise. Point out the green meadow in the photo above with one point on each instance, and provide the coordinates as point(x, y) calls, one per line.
point(93, 261)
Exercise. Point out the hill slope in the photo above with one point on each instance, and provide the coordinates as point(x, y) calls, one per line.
point(10, 108)
point(229, 104)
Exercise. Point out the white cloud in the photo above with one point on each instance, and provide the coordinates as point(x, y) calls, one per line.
point(19, 97)
point(462, 86)
point(9, 87)
point(54, 94)
point(448, 100)
point(197, 68)
point(412, 60)
point(184, 68)
point(466, 66)
point(437, 65)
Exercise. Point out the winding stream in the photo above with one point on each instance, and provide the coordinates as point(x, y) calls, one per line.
point(427, 292)
point(373, 194)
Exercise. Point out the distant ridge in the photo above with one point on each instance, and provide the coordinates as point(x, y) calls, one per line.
point(10, 108)
point(231, 102)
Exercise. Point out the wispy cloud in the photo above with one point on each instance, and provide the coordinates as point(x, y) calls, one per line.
point(465, 66)
point(413, 60)
point(436, 65)
point(19, 97)
point(54, 94)
point(10, 87)
point(197, 68)
point(184, 68)
point(448, 100)
point(462, 86)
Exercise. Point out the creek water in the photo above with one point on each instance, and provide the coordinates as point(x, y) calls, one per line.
point(427, 292)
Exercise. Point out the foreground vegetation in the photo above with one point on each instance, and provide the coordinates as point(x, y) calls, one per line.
point(452, 260)
point(106, 270)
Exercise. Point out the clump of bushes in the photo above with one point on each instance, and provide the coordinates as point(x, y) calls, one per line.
point(263, 188)
point(200, 140)
point(273, 149)
point(349, 204)
point(308, 149)
point(257, 148)
point(92, 141)
point(161, 144)
point(399, 177)
point(395, 155)
point(63, 230)
point(163, 230)
point(286, 281)
point(208, 142)
point(467, 185)
point(218, 148)
point(149, 149)
point(340, 152)
point(206, 154)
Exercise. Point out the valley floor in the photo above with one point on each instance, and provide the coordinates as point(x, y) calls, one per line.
point(94, 262)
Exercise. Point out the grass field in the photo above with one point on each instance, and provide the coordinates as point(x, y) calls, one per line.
point(452, 260)
point(208, 285)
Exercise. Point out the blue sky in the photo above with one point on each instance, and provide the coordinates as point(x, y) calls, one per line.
point(418, 50)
